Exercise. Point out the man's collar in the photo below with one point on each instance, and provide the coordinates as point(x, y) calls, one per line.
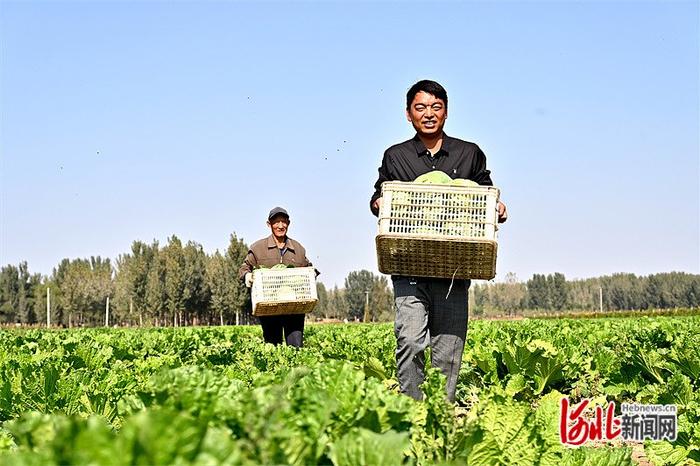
point(271, 243)
point(422, 150)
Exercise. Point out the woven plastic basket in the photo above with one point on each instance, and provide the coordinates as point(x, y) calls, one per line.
point(284, 291)
point(440, 231)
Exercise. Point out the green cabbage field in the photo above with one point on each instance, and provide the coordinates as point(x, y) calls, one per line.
point(218, 395)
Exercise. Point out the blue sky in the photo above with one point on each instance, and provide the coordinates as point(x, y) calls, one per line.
point(137, 120)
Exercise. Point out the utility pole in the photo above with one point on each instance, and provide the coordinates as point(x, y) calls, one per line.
point(600, 298)
point(107, 313)
point(366, 317)
point(48, 307)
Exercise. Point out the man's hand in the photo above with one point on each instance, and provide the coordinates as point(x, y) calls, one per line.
point(249, 279)
point(377, 203)
point(502, 212)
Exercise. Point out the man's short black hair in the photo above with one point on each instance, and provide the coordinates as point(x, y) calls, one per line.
point(426, 85)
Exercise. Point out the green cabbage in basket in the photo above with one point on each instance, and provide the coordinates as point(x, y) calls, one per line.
point(440, 177)
point(435, 213)
point(434, 177)
point(463, 182)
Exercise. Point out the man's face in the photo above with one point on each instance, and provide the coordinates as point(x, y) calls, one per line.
point(279, 224)
point(427, 114)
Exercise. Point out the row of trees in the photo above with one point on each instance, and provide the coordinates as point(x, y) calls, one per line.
point(18, 293)
point(623, 291)
point(363, 293)
point(179, 284)
point(174, 284)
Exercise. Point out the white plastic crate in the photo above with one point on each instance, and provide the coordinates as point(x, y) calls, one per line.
point(284, 291)
point(441, 231)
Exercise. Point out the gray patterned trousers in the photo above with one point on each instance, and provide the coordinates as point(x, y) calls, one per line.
point(426, 315)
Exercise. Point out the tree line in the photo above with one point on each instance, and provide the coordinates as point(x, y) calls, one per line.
point(178, 284)
point(174, 284)
point(365, 297)
point(617, 292)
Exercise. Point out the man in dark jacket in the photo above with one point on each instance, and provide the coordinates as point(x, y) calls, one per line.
point(430, 311)
point(278, 248)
